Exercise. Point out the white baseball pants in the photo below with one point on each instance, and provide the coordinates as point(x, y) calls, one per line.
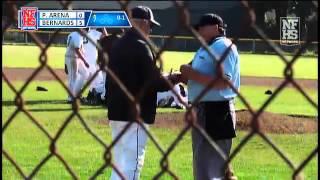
point(77, 74)
point(71, 73)
point(129, 151)
point(82, 75)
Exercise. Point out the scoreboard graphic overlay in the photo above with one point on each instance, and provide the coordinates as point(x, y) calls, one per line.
point(31, 18)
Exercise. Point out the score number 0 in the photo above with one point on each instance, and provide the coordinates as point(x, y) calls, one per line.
point(80, 15)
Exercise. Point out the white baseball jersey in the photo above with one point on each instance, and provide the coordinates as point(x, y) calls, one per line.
point(75, 40)
point(91, 52)
point(77, 72)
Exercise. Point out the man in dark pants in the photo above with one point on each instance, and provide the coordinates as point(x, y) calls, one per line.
point(133, 62)
point(215, 110)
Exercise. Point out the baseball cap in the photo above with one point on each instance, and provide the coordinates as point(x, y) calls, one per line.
point(143, 12)
point(210, 19)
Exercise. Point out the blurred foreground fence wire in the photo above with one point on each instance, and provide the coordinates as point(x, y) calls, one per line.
point(179, 43)
point(248, 21)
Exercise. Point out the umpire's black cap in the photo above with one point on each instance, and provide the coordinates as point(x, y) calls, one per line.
point(210, 19)
point(143, 12)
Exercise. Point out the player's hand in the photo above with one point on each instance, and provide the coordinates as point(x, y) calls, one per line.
point(175, 78)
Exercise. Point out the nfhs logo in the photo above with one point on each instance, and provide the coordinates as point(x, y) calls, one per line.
point(29, 18)
point(289, 31)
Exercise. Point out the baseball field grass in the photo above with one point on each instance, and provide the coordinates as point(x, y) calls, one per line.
point(255, 95)
point(256, 160)
point(251, 64)
point(28, 145)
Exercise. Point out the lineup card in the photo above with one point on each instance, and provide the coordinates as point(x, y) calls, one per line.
point(30, 18)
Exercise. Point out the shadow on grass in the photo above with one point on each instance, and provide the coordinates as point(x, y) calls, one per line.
point(61, 109)
point(38, 102)
point(12, 103)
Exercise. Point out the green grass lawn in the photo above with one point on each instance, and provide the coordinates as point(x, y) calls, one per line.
point(28, 146)
point(255, 161)
point(283, 103)
point(251, 64)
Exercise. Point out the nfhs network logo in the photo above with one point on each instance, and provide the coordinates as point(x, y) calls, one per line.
point(29, 18)
point(289, 31)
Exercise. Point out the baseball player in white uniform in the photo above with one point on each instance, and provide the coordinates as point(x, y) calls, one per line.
point(91, 55)
point(169, 99)
point(75, 63)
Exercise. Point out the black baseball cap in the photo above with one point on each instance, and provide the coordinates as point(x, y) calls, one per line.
point(210, 19)
point(143, 12)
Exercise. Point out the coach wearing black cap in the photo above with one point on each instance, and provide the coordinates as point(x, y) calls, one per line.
point(133, 62)
point(215, 110)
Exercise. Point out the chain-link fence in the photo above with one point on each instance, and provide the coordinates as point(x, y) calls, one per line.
point(248, 21)
point(179, 43)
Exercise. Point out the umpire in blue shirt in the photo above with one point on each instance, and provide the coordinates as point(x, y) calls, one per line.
point(215, 110)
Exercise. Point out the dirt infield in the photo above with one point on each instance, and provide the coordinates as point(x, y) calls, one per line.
point(22, 74)
point(270, 122)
